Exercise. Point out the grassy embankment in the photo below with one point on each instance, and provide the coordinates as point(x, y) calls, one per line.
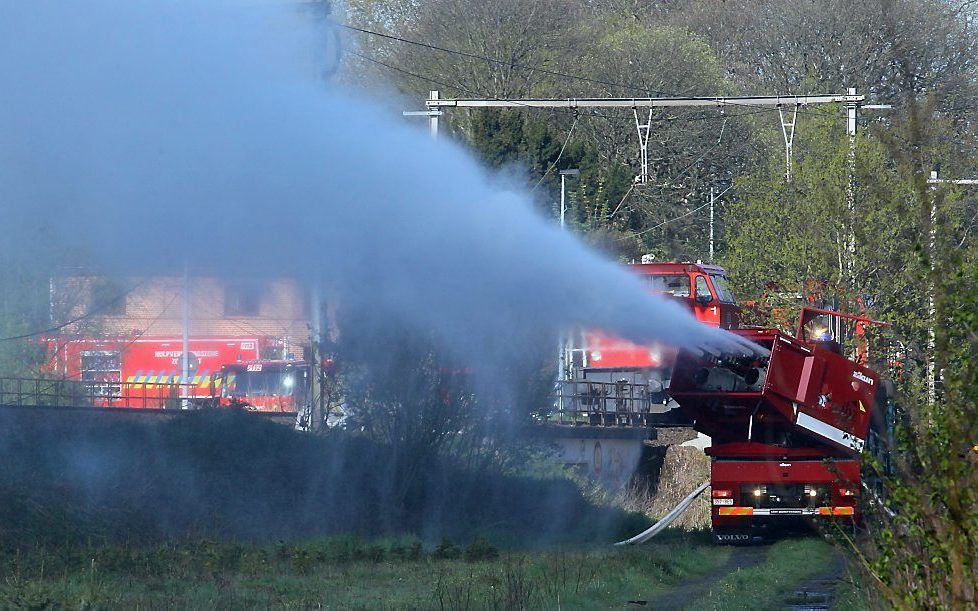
point(350, 573)
point(226, 510)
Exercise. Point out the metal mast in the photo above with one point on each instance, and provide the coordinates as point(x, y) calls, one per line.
point(185, 356)
point(932, 373)
point(435, 107)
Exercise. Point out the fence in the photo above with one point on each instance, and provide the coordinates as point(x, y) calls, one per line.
point(608, 404)
point(39, 392)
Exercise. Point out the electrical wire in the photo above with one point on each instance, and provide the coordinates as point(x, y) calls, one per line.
point(492, 60)
point(466, 90)
point(149, 326)
point(566, 75)
point(753, 110)
point(672, 180)
point(559, 155)
point(94, 311)
point(623, 198)
point(663, 223)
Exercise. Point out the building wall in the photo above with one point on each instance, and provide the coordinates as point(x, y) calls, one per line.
point(152, 307)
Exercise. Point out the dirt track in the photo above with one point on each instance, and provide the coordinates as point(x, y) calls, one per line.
point(819, 592)
point(741, 558)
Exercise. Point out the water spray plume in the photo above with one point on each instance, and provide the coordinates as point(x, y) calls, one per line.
point(147, 133)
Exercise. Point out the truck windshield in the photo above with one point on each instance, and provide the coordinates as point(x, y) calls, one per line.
point(264, 383)
point(724, 293)
point(676, 285)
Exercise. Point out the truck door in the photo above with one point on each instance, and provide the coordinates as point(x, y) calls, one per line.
point(706, 307)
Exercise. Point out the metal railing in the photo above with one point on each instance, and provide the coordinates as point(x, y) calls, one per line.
point(607, 403)
point(39, 392)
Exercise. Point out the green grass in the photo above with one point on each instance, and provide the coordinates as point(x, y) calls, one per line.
point(855, 593)
point(348, 572)
point(787, 564)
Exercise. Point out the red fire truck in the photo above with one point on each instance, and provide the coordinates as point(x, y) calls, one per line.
point(701, 288)
point(147, 371)
point(787, 429)
point(601, 370)
point(268, 386)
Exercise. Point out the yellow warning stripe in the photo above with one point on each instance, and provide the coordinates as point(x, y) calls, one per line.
point(836, 511)
point(148, 381)
point(749, 511)
point(736, 511)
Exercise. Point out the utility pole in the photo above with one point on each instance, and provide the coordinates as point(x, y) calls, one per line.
point(847, 268)
point(431, 114)
point(848, 271)
point(712, 201)
point(713, 197)
point(562, 342)
point(563, 205)
point(185, 357)
point(315, 411)
point(433, 119)
point(932, 373)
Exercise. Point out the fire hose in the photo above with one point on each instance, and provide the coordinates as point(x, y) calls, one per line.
point(667, 519)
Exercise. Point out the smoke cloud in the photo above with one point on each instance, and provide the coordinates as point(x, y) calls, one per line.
point(146, 133)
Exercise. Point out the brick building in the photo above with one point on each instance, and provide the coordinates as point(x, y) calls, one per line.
point(98, 307)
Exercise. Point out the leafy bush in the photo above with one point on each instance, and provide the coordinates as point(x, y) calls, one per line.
point(480, 549)
point(446, 550)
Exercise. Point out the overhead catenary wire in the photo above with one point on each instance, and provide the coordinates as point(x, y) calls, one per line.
point(503, 62)
point(559, 155)
point(591, 112)
point(624, 198)
point(679, 175)
point(624, 86)
point(752, 110)
point(666, 222)
point(540, 69)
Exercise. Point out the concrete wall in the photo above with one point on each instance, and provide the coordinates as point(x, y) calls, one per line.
point(607, 455)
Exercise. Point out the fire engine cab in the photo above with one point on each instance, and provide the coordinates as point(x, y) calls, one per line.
point(268, 386)
point(599, 365)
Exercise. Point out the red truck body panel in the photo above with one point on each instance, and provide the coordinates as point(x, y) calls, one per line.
point(266, 386)
point(746, 491)
point(143, 371)
point(787, 430)
point(677, 281)
point(799, 388)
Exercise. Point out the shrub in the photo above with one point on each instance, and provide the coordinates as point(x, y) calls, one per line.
point(446, 550)
point(480, 549)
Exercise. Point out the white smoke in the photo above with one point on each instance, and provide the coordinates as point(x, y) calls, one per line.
point(149, 132)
